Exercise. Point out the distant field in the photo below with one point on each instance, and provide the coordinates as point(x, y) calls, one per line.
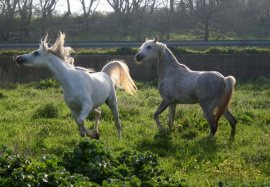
point(35, 121)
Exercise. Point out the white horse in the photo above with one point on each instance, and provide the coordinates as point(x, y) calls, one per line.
point(83, 91)
point(179, 84)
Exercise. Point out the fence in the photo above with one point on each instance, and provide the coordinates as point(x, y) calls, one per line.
point(240, 66)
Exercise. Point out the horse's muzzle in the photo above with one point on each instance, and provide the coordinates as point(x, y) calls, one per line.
point(138, 58)
point(18, 59)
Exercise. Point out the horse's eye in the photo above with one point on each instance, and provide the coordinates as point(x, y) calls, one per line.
point(36, 53)
point(149, 47)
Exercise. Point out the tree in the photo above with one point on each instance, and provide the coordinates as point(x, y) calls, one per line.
point(257, 12)
point(204, 14)
point(46, 8)
point(25, 10)
point(68, 10)
point(88, 10)
point(7, 22)
point(117, 5)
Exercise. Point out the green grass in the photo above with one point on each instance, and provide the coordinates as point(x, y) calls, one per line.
point(29, 127)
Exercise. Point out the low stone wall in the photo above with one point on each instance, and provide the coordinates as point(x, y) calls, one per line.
point(240, 66)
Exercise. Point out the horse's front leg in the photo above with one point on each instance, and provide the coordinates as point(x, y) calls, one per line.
point(75, 115)
point(172, 108)
point(163, 105)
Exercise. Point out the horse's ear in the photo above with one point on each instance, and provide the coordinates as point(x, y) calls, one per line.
point(44, 44)
point(156, 39)
point(146, 39)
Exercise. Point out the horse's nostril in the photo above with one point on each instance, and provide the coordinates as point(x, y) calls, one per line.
point(137, 56)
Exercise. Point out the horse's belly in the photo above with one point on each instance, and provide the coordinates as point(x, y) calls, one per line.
point(186, 99)
point(179, 95)
point(99, 101)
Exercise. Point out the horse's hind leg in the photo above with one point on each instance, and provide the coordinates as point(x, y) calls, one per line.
point(227, 114)
point(209, 115)
point(111, 102)
point(163, 105)
point(97, 113)
point(172, 108)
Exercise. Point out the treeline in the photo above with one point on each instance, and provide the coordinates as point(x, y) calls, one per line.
point(26, 20)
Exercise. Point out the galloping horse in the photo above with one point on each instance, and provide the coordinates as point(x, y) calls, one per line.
point(83, 91)
point(179, 84)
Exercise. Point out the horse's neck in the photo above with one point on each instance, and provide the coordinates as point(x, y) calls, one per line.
point(59, 70)
point(167, 63)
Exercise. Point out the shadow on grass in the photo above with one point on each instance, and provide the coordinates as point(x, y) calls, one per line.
point(165, 145)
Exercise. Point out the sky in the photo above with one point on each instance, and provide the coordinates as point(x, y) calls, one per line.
point(76, 7)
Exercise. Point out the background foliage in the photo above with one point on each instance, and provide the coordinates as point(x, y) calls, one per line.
point(129, 20)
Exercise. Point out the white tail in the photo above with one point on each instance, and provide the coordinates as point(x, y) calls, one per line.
point(119, 73)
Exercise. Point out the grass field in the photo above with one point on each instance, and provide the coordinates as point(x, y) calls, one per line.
point(34, 121)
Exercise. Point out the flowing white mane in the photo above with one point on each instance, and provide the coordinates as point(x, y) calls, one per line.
point(58, 48)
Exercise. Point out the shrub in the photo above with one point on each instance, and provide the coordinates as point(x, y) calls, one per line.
point(21, 171)
point(91, 163)
point(234, 50)
point(2, 96)
point(124, 51)
point(50, 110)
point(48, 83)
point(254, 50)
point(133, 51)
point(182, 50)
point(216, 50)
point(92, 159)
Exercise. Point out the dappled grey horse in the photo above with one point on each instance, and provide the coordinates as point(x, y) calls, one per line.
point(179, 84)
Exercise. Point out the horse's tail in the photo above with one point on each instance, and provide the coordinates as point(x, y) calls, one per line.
point(119, 73)
point(224, 104)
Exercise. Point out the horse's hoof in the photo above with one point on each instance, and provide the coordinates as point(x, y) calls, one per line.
point(96, 135)
point(161, 128)
point(210, 136)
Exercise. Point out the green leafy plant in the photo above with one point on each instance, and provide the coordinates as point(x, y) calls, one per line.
point(94, 160)
point(22, 171)
point(91, 163)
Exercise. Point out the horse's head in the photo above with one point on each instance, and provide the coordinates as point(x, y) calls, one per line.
point(40, 57)
point(148, 50)
point(33, 59)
